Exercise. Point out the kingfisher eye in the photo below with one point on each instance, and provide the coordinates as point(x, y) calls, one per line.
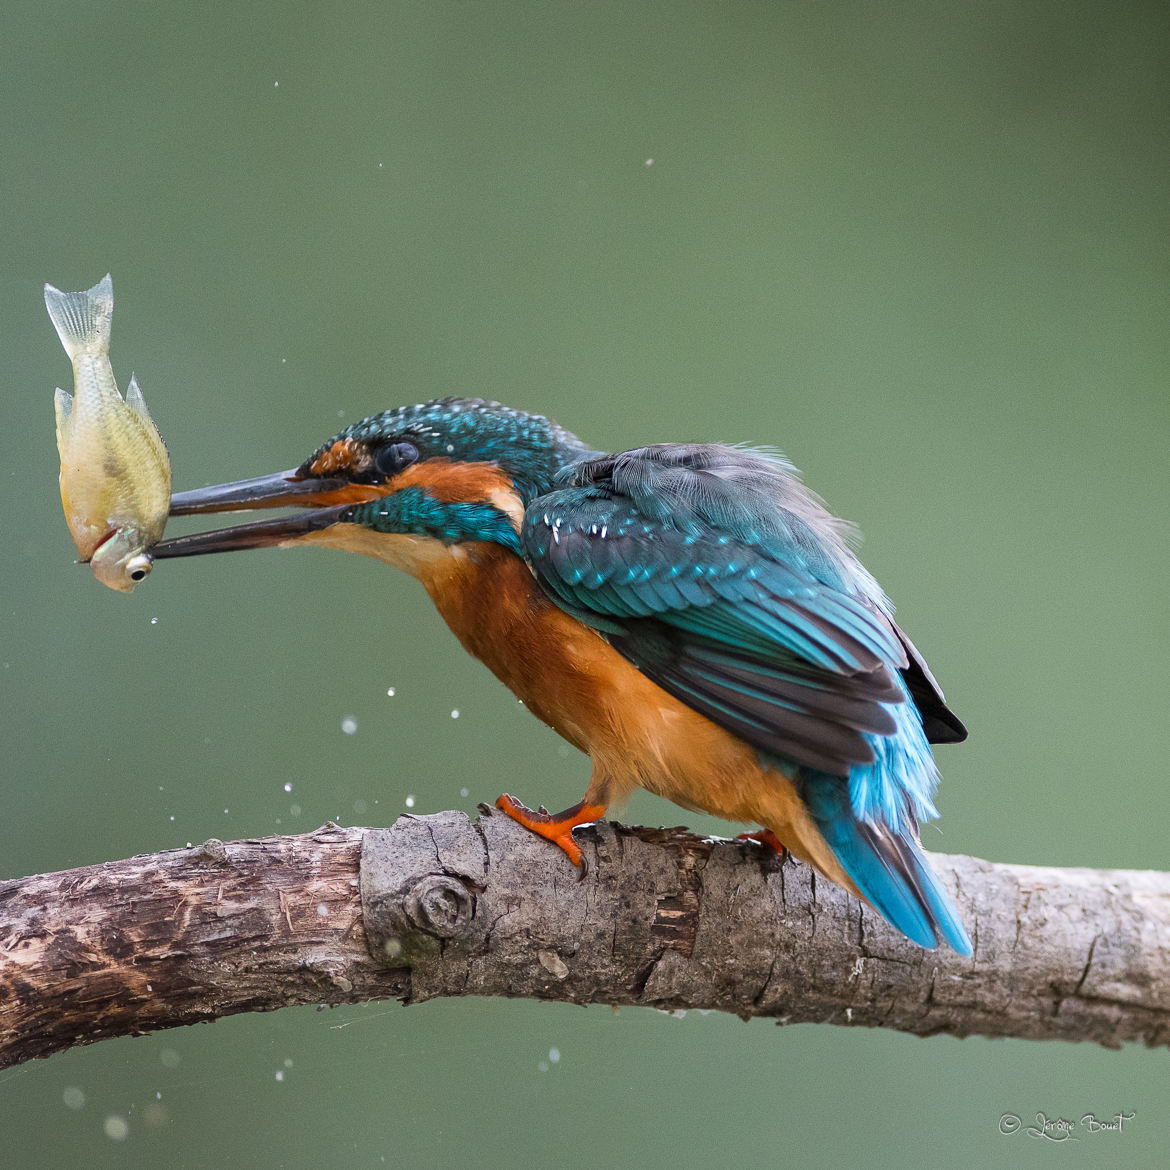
point(393, 457)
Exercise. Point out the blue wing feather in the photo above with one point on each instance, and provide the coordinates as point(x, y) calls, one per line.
point(650, 566)
point(725, 581)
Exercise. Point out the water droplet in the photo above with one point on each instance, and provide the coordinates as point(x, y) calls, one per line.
point(288, 1062)
point(116, 1128)
point(464, 792)
point(554, 1054)
point(155, 1115)
point(288, 786)
point(280, 1074)
point(542, 1066)
point(455, 713)
point(322, 909)
point(390, 691)
point(73, 1097)
point(409, 802)
point(276, 85)
point(154, 621)
point(349, 725)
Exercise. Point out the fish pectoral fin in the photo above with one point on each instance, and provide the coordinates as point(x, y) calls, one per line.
point(135, 401)
point(62, 407)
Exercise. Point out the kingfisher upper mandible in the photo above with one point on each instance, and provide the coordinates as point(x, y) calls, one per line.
point(689, 615)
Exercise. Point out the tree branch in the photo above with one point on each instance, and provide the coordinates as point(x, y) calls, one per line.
point(442, 905)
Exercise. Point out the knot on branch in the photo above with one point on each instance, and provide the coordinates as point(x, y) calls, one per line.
point(420, 881)
point(440, 904)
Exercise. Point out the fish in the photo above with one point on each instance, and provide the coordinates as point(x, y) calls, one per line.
point(115, 470)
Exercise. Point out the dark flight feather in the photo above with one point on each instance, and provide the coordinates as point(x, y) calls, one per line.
point(728, 583)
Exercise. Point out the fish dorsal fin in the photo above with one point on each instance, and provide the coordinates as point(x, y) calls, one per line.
point(135, 401)
point(62, 408)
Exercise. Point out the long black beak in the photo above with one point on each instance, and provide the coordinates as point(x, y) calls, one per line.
point(265, 491)
point(329, 497)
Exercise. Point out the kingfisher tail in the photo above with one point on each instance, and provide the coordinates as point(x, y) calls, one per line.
point(889, 868)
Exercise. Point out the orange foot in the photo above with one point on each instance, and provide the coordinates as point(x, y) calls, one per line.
point(557, 828)
point(767, 837)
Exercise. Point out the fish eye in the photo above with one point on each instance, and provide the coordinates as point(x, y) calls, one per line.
point(392, 458)
point(139, 566)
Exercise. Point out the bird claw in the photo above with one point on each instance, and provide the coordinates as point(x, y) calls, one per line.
point(768, 838)
point(556, 828)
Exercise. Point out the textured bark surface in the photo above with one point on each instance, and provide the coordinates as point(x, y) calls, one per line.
point(442, 905)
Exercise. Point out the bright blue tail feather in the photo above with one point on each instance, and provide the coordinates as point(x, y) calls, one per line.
point(888, 868)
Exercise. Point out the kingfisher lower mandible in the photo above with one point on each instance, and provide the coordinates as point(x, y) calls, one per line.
point(689, 615)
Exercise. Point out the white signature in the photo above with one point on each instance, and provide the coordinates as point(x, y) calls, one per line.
point(1060, 1129)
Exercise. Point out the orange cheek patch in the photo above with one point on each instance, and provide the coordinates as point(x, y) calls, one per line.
point(454, 483)
point(344, 455)
point(461, 483)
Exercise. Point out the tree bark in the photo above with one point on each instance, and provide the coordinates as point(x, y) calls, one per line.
point(442, 905)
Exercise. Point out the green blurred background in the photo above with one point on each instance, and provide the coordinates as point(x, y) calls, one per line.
point(922, 248)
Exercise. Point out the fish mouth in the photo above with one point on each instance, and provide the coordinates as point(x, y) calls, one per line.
point(329, 497)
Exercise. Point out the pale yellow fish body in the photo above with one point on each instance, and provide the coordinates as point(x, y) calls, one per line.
point(115, 473)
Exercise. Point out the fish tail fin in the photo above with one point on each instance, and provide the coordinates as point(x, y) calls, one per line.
point(888, 867)
point(82, 319)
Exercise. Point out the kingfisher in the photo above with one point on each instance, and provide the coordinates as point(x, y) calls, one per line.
point(689, 615)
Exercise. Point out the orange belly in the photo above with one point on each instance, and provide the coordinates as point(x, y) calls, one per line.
point(636, 734)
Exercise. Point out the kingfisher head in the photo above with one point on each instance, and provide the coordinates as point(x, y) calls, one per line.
point(403, 486)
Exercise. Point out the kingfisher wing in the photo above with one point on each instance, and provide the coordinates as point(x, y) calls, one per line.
point(939, 722)
point(722, 579)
